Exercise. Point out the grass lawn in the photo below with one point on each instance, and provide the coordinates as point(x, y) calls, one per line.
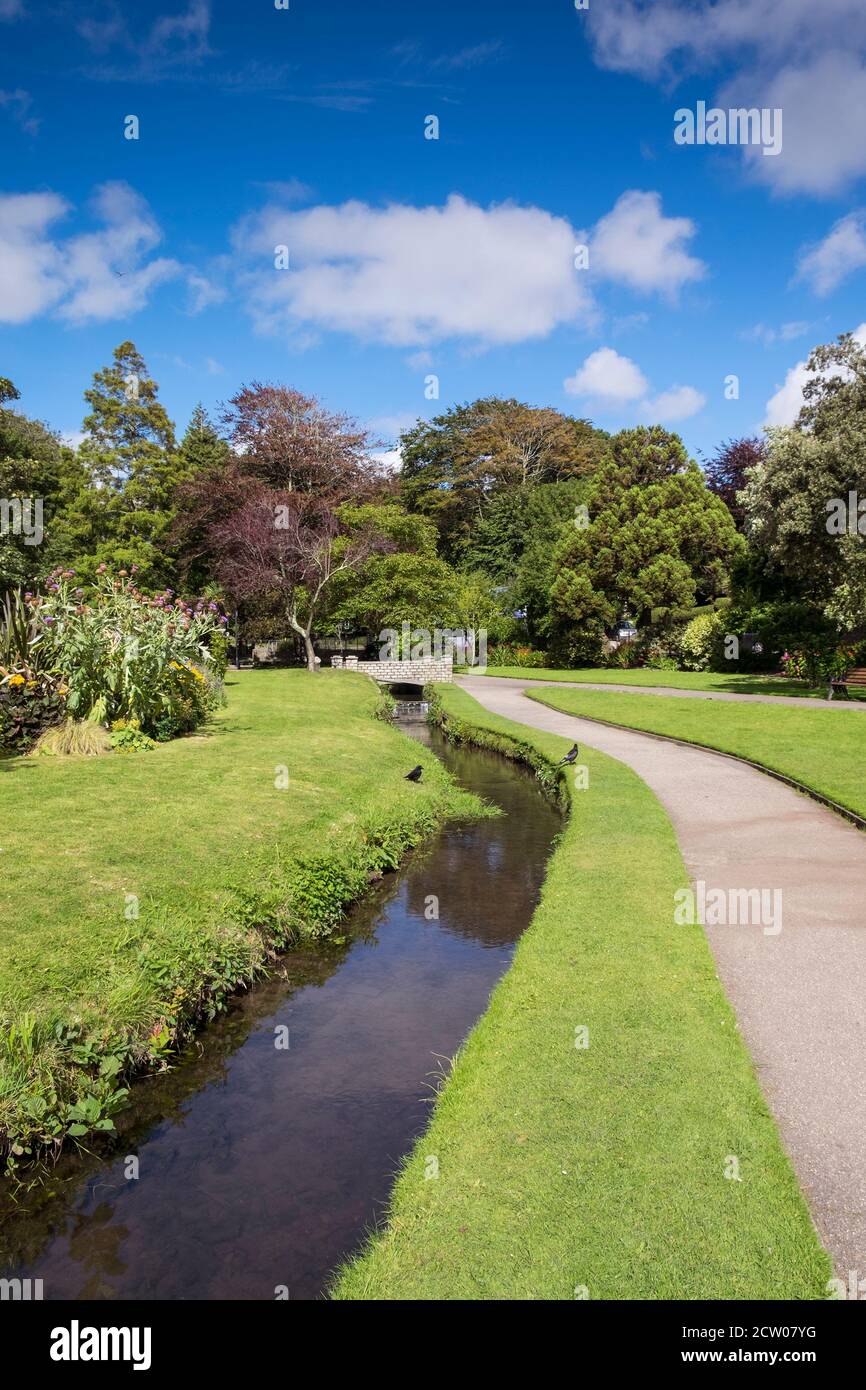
point(714, 682)
point(563, 1169)
point(221, 865)
point(824, 749)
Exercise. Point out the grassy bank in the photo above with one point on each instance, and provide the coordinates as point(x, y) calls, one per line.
point(566, 1171)
point(823, 749)
point(711, 682)
point(139, 891)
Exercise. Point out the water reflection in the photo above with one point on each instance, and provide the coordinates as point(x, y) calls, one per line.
point(261, 1167)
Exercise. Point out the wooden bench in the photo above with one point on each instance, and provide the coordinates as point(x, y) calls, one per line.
point(839, 684)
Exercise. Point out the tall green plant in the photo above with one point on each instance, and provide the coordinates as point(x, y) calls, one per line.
point(126, 655)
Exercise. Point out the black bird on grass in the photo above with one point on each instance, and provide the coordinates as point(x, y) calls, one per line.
point(570, 756)
point(415, 774)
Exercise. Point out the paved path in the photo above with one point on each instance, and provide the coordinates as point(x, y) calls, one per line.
point(804, 701)
point(799, 996)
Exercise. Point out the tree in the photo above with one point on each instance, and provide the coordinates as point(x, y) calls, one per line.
point(798, 499)
point(290, 545)
point(458, 465)
point(36, 474)
point(128, 434)
point(657, 539)
point(201, 447)
point(552, 513)
point(727, 472)
point(130, 452)
point(402, 580)
point(290, 442)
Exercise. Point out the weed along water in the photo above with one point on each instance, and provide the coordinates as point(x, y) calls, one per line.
point(255, 1167)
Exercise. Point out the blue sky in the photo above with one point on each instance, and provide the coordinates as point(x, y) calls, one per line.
point(410, 257)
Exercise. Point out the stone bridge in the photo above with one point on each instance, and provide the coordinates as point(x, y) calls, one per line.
point(400, 672)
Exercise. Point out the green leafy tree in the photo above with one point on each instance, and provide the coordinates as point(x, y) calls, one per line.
point(135, 468)
point(37, 477)
point(657, 540)
point(802, 501)
point(404, 581)
point(457, 465)
point(201, 447)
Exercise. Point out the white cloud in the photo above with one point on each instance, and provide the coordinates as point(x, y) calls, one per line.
point(823, 146)
point(677, 403)
point(202, 292)
point(173, 41)
point(769, 336)
point(654, 38)
point(390, 459)
point(841, 252)
point(784, 407)
point(608, 377)
point(104, 269)
point(636, 245)
point(412, 277)
point(610, 380)
point(92, 276)
point(807, 58)
point(31, 278)
point(419, 361)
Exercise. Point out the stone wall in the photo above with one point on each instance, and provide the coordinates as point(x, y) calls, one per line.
point(399, 672)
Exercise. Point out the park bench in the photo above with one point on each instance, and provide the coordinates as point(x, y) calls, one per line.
point(839, 684)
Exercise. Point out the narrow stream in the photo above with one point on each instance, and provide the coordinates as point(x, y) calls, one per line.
point(261, 1167)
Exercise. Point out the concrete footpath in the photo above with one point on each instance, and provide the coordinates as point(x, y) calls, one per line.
point(801, 701)
point(800, 994)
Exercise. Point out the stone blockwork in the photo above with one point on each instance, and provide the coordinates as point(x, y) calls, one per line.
point(399, 672)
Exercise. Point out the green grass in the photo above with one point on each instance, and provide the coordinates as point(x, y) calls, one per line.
point(823, 749)
point(222, 865)
point(713, 682)
point(562, 1169)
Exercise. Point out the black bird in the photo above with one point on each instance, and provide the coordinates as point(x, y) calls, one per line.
point(415, 774)
point(570, 756)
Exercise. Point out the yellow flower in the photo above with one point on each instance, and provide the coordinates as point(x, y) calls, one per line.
point(31, 685)
point(16, 680)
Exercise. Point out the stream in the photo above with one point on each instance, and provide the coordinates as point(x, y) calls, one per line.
point(262, 1167)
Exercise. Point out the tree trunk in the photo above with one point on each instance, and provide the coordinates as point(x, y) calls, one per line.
point(311, 655)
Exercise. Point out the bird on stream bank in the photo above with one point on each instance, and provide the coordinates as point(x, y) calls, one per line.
point(415, 774)
point(570, 756)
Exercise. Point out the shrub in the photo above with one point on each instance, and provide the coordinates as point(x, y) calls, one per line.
point(783, 626)
point(513, 654)
point(32, 696)
point(819, 665)
point(28, 706)
point(698, 641)
point(128, 656)
point(127, 737)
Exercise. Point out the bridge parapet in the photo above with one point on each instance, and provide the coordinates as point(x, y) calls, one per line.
point(399, 672)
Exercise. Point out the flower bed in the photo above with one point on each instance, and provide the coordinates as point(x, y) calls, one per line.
point(110, 654)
